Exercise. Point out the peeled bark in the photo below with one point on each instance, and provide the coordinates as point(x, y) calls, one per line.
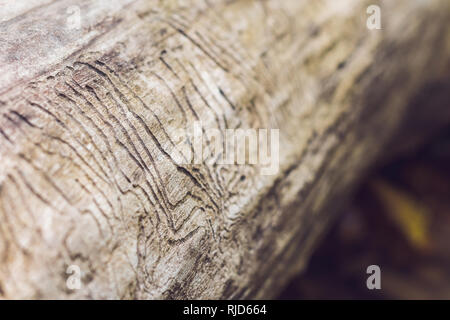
point(89, 117)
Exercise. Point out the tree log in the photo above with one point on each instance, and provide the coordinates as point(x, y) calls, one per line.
point(96, 96)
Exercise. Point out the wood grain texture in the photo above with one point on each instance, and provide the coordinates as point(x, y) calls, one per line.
point(89, 116)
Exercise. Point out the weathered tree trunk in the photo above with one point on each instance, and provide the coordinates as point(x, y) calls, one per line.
point(90, 115)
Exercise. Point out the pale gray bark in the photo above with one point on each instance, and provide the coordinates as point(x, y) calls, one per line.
point(87, 124)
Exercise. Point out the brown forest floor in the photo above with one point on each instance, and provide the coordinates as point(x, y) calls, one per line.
point(398, 220)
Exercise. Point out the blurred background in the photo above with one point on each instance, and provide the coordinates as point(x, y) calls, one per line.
point(399, 220)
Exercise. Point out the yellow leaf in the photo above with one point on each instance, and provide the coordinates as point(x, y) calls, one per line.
point(410, 216)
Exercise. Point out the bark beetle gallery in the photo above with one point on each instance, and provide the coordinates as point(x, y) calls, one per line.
point(101, 195)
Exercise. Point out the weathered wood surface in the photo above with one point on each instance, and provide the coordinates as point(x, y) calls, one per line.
point(88, 117)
